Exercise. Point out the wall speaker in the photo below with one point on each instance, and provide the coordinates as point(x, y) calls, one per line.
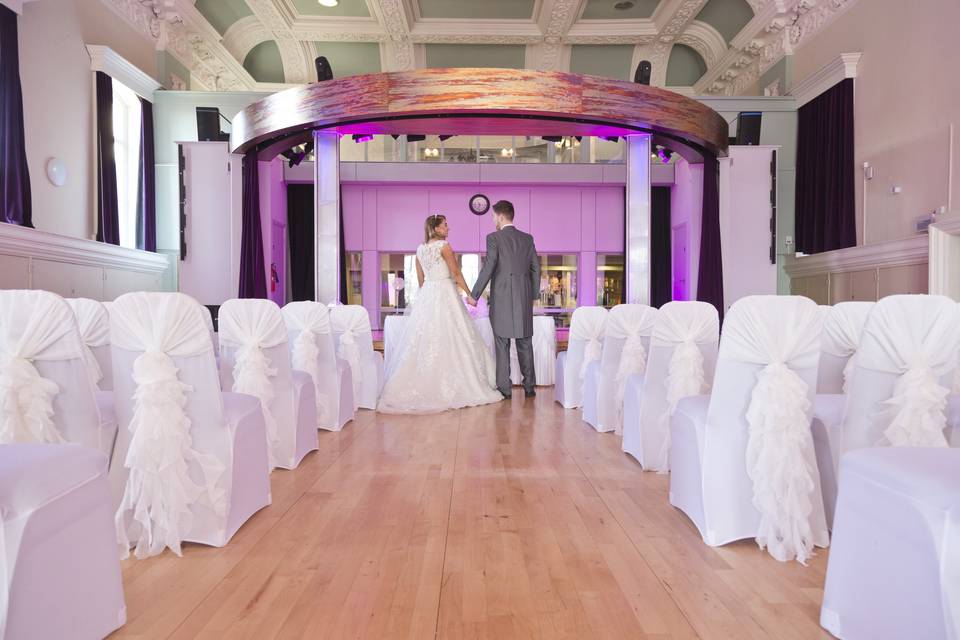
point(748, 128)
point(208, 125)
point(324, 70)
point(642, 74)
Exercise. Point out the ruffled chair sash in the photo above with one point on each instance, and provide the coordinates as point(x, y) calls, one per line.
point(160, 491)
point(250, 326)
point(588, 325)
point(351, 321)
point(842, 329)
point(94, 325)
point(916, 338)
point(781, 333)
point(311, 320)
point(34, 326)
point(631, 323)
point(684, 326)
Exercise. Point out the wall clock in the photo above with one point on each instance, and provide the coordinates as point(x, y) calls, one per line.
point(479, 204)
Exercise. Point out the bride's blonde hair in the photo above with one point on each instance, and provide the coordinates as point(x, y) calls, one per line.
point(430, 226)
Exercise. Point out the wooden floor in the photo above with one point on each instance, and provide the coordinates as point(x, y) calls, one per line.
point(514, 520)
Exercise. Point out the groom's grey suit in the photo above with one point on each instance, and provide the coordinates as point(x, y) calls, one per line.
point(513, 271)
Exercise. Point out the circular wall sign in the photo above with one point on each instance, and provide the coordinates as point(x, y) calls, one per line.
point(479, 204)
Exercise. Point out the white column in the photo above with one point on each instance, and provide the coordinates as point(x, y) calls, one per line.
point(326, 221)
point(944, 266)
point(638, 219)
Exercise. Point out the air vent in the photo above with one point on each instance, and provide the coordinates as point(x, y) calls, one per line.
point(623, 6)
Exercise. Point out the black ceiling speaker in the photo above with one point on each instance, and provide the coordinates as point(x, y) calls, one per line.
point(642, 75)
point(324, 70)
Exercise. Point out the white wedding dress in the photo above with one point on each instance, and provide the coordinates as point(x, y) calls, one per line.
point(441, 361)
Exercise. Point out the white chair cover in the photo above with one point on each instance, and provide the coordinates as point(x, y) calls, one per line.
point(842, 330)
point(902, 373)
point(354, 340)
point(94, 324)
point(584, 346)
point(745, 465)
point(160, 490)
point(544, 352)
point(59, 569)
point(683, 354)
point(625, 344)
point(255, 359)
point(312, 350)
point(46, 392)
point(894, 567)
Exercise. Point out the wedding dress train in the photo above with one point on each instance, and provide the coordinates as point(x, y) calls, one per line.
point(441, 360)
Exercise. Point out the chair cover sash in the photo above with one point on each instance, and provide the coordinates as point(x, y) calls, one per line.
point(160, 490)
point(842, 330)
point(250, 326)
point(34, 325)
point(780, 333)
point(94, 325)
point(588, 325)
point(351, 321)
point(629, 322)
point(311, 320)
point(916, 338)
point(684, 326)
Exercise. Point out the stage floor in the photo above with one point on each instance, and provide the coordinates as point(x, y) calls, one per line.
point(513, 520)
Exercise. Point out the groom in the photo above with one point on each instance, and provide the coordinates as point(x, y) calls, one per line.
point(513, 271)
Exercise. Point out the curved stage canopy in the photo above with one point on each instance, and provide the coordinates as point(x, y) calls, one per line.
point(477, 102)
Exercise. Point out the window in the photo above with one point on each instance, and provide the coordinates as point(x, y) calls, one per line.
point(126, 146)
point(354, 260)
point(558, 287)
point(609, 279)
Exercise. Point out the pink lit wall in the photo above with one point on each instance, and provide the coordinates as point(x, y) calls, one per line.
point(382, 217)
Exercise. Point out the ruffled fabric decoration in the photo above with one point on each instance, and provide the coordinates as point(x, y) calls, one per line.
point(249, 326)
point(160, 490)
point(34, 326)
point(631, 323)
point(842, 329)
point(310, 322)
point(94, 325)
point(779, 444)
point(916, 338)
point(588, 325)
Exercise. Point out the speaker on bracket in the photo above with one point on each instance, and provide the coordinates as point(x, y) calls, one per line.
point(324, 70)
point(642, 74)
point(748, 128)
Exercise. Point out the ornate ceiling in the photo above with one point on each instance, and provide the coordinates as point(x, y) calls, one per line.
point(719, 47)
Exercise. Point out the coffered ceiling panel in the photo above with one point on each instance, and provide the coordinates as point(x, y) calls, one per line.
point(477, 9)
point(345, 8)
point(726, 16)
point(350, 58)
point(264, 62)
point(475, 55)
point(685, 67)
point(619, 9)
point(221, 14)
point(609, 60)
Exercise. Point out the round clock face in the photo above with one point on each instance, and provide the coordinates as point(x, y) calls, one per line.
point(479, 204)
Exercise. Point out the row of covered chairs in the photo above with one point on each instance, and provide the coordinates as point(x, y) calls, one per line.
point(793, 388)
point(191, 460)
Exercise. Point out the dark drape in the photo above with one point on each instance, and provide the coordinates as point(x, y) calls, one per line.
point(108, 211)
point(710, 274)
point(826, 209)
point(15, 193)
point(147, 189)
point(253, 279)
point(300, 236)
point(661, 265)
point(343, 254)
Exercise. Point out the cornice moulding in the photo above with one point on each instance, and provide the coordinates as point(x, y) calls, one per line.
point(840, 68)
point(110, 62)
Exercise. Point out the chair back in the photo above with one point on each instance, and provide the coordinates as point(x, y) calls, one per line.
point(585, 341)
point(94, 324)
point(626, 343)
point(311, 349)
point(842, 329)
point(353, 339)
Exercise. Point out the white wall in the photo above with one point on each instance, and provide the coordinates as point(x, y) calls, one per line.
point(906, 99)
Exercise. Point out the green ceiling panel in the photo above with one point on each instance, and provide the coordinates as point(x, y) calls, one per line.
point(684, 67)
point(606, 10)
point(223, 13)
point(726, 16)
point(264, 62)
point(350, 58)
point(608, 60)
point(485, 9)
point(346, 8)
point(502, 56)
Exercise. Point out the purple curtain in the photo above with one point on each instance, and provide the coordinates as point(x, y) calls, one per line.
point(826, 206)
point(710, 275)
point(147, 183)
point(253, 279)
point(108, 211)
point(14, 176)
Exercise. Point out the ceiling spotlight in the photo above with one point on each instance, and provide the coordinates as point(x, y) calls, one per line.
point(620, 6)
point(362, 137)
point(445, 138)
point(416, 137)
point(333, 3)
point(552, 138)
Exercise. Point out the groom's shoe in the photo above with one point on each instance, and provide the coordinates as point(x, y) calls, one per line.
point(506, 396)
point(530, 394)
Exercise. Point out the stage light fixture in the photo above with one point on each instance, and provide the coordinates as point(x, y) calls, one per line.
point(552, 138)
point(416, 137)
point(612, 138)
point(324, 70)
point(362, 137)
point(445, 138)
point(664, 154)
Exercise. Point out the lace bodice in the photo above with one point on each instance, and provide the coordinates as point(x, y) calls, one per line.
point(432, 262)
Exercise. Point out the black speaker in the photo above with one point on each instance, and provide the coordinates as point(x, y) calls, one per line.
point(208, 125)
point(214, 310)
point(748, 128)
point(324, 70)
point(642, 74)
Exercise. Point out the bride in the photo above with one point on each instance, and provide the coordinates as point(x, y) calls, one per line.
point(441, 361)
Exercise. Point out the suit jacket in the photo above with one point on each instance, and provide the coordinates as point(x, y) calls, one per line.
point(513, 270)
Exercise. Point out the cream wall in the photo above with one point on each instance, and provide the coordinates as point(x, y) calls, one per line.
point(58, 102)
point(907, 97)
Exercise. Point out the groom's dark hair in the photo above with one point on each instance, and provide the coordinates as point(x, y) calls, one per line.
point(504, 208)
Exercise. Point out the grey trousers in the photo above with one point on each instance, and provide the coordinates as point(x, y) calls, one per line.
point(524, 355)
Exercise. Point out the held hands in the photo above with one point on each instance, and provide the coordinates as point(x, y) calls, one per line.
point(471, 301)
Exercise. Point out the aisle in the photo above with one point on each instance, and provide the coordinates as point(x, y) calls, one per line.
point(495, 522)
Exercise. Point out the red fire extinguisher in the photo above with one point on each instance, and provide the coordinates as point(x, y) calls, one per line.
point(274, 278)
